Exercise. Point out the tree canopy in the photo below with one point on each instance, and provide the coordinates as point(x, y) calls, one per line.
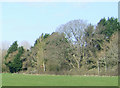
point(76, 47)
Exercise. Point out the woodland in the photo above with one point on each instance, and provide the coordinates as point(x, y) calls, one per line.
point(75, 48)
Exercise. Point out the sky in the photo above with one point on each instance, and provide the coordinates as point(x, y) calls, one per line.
point(26, 21)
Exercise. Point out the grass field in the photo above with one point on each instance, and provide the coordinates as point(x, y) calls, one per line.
point(47, 80)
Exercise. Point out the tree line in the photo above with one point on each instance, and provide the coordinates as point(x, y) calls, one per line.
point(75, 48)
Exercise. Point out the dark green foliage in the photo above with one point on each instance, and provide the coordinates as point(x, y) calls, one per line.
point(12, 48)
point(16, 64)
point(41, 38)
point(21, 50)
point(111, 25)
point(102, 22)
point(46, 35)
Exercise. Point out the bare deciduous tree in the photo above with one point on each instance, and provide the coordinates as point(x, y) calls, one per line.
point(74, 31)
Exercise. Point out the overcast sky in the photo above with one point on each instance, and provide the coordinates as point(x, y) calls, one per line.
point(27, 21)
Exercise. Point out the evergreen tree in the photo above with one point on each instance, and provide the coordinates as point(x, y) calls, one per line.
point(12, 48)
point(16, 64)
point(46, 35)
point(110, 26)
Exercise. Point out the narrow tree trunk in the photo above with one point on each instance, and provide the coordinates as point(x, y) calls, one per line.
point(78, 63)
point(98, 67)
point(44, 67)
point(105, 67)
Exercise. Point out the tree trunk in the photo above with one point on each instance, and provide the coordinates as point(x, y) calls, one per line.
point(98, 67)
point(78, 64)
point(105, 67)
point(44, 67)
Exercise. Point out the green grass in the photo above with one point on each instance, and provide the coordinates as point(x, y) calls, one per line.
point(47, 80)
point(0, 80)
